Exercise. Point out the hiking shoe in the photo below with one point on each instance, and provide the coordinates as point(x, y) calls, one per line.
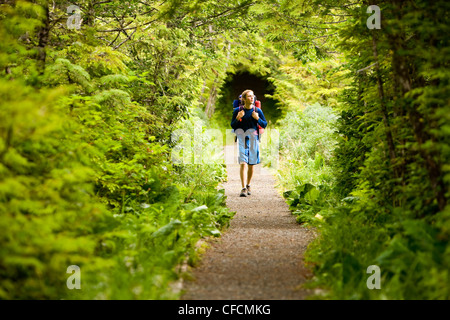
point(243, 192)
point(248, 190)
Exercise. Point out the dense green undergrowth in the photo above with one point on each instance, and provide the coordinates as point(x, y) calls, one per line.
point(306, 146)
point(86, 171)
point(101, 195)
point(375, 181)
point(356, 230)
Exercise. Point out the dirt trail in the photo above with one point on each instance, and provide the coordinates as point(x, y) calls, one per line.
point(260, 256)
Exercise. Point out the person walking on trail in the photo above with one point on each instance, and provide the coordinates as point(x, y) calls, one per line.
point(245, 123)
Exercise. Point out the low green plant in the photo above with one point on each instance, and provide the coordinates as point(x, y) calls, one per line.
point(305, 175)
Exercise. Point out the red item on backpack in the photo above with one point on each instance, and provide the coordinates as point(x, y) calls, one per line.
point(260, 129)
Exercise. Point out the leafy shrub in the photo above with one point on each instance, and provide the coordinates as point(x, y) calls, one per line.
point(86, 176)
point(307, 141)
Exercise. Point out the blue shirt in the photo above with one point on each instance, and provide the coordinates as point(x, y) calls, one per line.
point(247, 121)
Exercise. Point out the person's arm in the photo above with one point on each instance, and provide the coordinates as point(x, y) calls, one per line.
point(234, 121)
point(262, 120)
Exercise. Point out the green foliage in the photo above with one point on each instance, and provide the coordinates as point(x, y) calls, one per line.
point(64, 72)
point(388, 205)
point(86, 177)
point(306, 146)
point(49, 214)
point(412, 255)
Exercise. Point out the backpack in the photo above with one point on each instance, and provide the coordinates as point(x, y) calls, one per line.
point(257, 104)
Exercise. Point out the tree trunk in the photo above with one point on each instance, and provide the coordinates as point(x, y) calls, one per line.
point(43, 36)
point(388, 130)
point(404, 78)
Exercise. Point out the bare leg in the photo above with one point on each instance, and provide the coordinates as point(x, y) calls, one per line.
point(242, 174)
point(249, 174)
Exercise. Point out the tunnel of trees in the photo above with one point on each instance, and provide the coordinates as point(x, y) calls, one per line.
point(91, 93)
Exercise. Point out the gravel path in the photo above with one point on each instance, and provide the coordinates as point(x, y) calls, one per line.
point(260, 256)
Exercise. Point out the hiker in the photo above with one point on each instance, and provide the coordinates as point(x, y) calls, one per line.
point(245, 123)
point(238, 102)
